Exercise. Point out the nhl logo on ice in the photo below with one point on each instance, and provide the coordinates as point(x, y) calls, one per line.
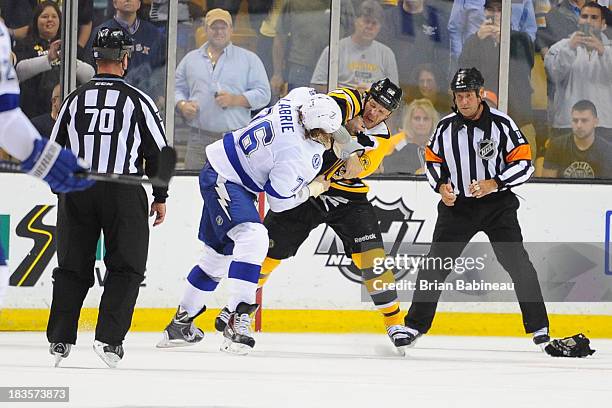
point(316, 161)
point(219, 220)
point(486, 149)
point(399, 232)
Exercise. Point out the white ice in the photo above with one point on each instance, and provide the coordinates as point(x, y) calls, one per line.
point(297, 370)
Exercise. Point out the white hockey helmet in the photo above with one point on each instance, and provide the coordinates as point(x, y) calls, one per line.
point(322, 112)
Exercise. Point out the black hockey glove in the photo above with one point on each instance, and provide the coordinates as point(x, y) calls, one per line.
point(573, 346)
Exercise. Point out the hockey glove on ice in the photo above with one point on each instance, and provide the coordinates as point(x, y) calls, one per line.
point(573, 346)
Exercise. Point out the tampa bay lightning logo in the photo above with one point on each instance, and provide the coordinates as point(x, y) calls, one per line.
point(316, 161)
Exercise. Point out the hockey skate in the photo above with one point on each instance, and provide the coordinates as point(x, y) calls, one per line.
point(59, 351)
point(221, 319)
point(402, 337)
point(111, 355)
point(541, 338)
point(238, 336)
point(181, 331)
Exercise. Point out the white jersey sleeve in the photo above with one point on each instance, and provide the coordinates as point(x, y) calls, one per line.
point(17, 134)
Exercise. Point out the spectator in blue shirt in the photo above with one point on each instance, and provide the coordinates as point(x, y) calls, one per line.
point(217, 86)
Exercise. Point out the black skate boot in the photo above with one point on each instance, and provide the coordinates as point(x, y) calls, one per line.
point(238, 336)
point(541, 338)
point(402, 337)
point(221, 319)
point(59, 351)
point(181, 331)
point(111, 355)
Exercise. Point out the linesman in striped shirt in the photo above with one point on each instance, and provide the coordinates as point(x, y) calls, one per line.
point(115, 128)
point(474, 158)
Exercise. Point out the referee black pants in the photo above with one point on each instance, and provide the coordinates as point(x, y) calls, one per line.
point(121, 212)
point(495, 215)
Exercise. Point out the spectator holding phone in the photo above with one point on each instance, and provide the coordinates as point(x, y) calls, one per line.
point(581, 68)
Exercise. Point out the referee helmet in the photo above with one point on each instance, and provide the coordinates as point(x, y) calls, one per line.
point(112, 44)
point(467, 79)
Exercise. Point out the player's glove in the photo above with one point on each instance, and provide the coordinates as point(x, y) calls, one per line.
point(573, 346)
point(344, 144)
point(57, 166)
point(314, 189)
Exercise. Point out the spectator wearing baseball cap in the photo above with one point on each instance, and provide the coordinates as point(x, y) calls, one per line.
point(217, 86)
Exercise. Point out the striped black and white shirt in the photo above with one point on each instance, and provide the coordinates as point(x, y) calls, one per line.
point(113, 126)
point(491, 147)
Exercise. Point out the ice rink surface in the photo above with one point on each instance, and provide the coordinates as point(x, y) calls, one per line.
point(297, 370)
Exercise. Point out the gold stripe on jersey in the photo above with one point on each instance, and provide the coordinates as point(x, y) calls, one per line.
point(370, 161)
point(329, 173)
point(344, 185)
point(350, 102)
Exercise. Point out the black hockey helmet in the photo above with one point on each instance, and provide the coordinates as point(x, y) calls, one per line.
point(386, 93)
point(112, 44)
point(467, 79)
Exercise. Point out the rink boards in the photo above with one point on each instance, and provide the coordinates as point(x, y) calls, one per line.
point(315, 291)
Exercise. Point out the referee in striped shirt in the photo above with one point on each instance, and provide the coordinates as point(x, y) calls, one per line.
point(476, 155)
point(114, 127)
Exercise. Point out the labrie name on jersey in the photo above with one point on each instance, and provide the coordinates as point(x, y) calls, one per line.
point(271, 154)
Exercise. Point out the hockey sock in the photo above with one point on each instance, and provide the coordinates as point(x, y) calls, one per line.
point(268, 266)
point(199, 284)
point(380, 286)
point(391, 314)
point(243, 278)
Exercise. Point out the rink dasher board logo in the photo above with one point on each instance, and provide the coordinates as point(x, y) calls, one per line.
point(400, 232)
point(28, 269)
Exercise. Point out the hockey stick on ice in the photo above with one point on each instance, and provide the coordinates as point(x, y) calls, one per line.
point(165, 170)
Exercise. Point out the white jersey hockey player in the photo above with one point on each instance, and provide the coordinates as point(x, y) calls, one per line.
point(18, 137)
point(280, 152)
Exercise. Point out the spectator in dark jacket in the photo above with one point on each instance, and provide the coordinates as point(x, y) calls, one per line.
point(416, 31)
point(17, 17)
point(44, 123)
point(481, 50)
point(149, 57)
point(561, 22)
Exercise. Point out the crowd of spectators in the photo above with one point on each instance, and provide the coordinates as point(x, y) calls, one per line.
point(248, 53)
